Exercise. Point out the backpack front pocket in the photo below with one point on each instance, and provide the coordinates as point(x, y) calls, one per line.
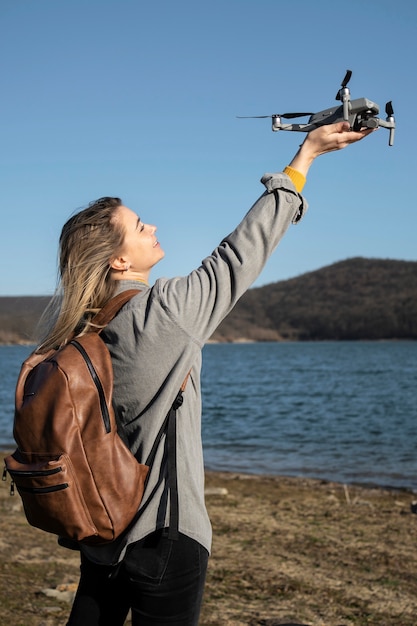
point(51, 496)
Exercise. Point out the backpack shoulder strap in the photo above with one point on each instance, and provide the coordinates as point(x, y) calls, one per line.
point(111, 308)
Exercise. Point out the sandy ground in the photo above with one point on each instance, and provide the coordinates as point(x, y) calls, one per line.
point(285, 550)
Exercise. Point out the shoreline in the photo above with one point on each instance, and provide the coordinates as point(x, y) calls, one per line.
point(285, 549)
point(318, 479)
point(245, 340)
point(365, 484)
point(283, 476)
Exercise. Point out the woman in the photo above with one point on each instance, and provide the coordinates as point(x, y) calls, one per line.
point(154, 341)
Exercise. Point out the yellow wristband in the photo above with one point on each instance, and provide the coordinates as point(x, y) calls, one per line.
point(297, 178)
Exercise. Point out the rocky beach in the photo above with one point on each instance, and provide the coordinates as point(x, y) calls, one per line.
point(285, 551)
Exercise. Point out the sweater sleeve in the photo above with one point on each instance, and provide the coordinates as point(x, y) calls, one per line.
point(297, 178)
point(200, 301)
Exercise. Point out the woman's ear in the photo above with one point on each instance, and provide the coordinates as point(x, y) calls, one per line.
point(120, 264)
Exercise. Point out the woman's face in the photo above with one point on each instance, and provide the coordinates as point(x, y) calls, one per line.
point(140, 249)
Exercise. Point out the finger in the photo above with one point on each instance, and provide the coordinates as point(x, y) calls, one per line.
point(360, 134)
point(344, 127)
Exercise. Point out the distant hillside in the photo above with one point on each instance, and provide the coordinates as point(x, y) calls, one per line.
point(19, 316)
point(354, 299)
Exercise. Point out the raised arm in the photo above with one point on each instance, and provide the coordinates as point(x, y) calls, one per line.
point(202, 299)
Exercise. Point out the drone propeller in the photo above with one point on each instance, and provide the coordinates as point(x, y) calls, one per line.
point(291, 116)
point(344, 94)
point(343, 84)
point(286, 116)
point(389, 109)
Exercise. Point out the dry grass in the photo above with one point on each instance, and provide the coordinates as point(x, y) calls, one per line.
point(285, 550)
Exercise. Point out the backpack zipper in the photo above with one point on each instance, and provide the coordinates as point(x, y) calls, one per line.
point(97, 382)
point(46, 472)
point(40, 490)
point(33, 474)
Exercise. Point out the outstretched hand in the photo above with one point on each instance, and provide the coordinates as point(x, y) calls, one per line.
point(332, 137)
point(327, 138)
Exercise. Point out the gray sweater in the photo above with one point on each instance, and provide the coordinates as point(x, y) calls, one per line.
point(158, 337)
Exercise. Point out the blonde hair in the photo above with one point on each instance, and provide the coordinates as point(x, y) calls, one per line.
point(88, 241)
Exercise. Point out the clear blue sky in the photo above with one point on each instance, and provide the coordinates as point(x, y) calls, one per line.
point(139, 100)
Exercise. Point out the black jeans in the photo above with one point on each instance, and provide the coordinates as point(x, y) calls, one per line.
point(160, 580)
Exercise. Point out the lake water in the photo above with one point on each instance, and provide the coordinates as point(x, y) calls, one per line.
point(344, 411)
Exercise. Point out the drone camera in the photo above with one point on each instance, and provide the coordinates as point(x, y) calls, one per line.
point(362, 114)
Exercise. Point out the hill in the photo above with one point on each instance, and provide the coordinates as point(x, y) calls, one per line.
point(357, 298)
point(354, 299)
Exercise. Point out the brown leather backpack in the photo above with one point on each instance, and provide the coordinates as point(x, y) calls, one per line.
point(75, 475)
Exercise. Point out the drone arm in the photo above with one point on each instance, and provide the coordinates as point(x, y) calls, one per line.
point(391, 137)
point(345, 98)
point(301, 128)
point(390, 124)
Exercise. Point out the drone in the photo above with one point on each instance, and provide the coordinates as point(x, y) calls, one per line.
point(360, 113)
